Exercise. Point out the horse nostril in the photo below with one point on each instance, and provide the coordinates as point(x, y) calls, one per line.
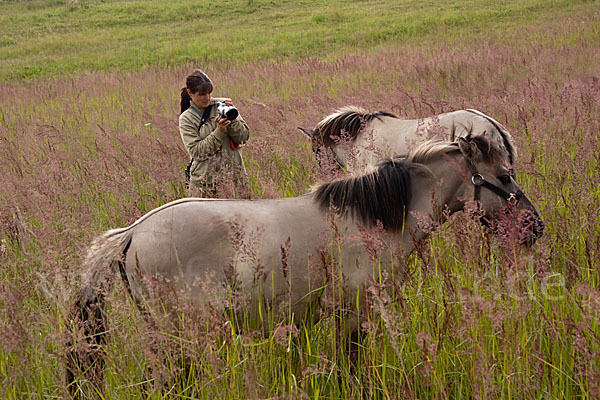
point(529, 241)
point(537, 224)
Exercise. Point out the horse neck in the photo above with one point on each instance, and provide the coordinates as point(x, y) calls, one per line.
point(451, 173)
point(437, 195)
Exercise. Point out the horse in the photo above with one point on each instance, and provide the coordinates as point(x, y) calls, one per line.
point(356, 138)
point(263, 248)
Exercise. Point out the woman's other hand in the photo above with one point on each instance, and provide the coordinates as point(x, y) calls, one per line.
point(222, 123)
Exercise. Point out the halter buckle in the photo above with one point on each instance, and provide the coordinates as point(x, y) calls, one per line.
point(512, 199)
point(477, 179)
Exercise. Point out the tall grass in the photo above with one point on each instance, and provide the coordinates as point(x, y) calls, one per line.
point(465, 316)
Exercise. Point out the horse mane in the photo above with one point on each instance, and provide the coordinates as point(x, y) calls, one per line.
point(426, 151)
point(429, 150)
point(382, 195)
point(345, 124)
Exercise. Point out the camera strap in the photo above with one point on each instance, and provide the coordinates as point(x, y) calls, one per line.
point(234, 146)
point(203, 118)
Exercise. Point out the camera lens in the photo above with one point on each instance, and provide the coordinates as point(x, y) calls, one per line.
point(231, 113)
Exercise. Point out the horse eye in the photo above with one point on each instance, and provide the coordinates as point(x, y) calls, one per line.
point(505, 179)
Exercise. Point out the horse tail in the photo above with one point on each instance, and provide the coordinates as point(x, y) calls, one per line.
point(105, 256)
point(345, 124)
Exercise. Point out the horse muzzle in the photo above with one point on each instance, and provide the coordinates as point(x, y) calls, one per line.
point(532, 228)
point(524, 227)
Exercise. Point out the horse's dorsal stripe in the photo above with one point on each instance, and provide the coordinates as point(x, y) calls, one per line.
point(163, 207)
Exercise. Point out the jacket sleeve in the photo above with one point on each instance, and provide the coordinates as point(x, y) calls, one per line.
point(192, 139)
point(238, 131)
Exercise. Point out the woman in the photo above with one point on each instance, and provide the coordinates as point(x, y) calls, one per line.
point(212, 141)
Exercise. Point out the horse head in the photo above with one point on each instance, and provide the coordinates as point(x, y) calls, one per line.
point(503, 204)
point(333, 138)
point(325, 155)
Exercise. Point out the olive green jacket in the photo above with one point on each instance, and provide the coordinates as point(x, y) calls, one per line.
point(210, 148)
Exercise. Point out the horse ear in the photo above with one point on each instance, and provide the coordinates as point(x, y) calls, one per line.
point(308, 132)
point(468, 149)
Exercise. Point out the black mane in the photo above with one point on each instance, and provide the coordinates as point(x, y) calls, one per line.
point(382, 195)
point(347, 122)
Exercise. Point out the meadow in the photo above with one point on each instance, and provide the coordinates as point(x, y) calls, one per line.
point(89, 141)
point(63, 37)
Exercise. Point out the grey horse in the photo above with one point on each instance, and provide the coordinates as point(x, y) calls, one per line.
point(356, 138)
point(263, 248)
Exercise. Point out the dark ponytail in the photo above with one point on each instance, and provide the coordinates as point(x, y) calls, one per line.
point(185, 99)
point(197, 81)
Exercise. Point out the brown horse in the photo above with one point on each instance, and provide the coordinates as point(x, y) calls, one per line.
point(227, 243)
point(357, 138)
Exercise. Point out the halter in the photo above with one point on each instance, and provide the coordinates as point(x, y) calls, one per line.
point(334, 156)
point(478, 181)
point(338, 162)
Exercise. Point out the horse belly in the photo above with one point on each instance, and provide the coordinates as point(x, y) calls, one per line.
point(283, 267)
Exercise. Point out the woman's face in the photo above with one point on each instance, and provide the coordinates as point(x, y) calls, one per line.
point(200, 100)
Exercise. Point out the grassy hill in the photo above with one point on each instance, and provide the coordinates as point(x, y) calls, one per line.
point(43, 37)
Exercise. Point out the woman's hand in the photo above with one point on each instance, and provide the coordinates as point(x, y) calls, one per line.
point(222, 123)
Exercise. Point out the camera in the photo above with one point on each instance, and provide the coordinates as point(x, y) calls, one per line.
point(228, 112)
